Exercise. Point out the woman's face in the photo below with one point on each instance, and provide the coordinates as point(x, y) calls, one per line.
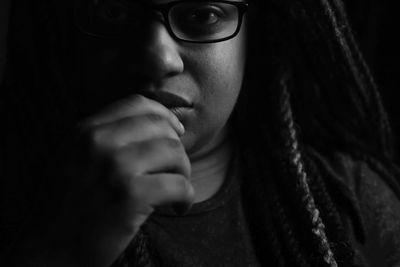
point(207, 75)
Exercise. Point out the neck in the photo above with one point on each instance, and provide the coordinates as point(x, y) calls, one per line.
point(209, 171)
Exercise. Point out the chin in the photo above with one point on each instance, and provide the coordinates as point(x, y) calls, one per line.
point(198, 146)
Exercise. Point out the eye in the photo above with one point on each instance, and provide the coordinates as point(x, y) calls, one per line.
point(202, 16)
point(112, 11)
point(206, 15)
point(203, 20)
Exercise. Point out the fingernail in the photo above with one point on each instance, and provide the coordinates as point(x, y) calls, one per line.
point(182, 128)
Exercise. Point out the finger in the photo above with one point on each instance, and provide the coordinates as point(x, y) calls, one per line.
point(163, 189)
point(134, 106)
point(164, 155)
point(120, 133)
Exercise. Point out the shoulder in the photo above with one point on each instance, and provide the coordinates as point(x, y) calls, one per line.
point(377, 198)
point(375, 193)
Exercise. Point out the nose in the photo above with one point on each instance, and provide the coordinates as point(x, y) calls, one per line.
point(160, 53)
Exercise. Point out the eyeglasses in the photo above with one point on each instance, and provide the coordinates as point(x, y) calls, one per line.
point(195, 21)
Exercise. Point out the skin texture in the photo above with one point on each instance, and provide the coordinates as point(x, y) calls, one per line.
point(209, 75)
point(142, 155)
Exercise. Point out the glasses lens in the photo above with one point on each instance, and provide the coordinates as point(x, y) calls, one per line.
point(203, 21)
point(107, 17)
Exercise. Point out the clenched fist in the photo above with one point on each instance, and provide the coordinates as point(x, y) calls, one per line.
point(137, 163)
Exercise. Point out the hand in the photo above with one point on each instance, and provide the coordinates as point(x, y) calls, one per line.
point(137, 163)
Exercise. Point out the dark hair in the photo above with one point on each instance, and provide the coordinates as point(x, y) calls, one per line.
point(303, 61)
point(315, 65)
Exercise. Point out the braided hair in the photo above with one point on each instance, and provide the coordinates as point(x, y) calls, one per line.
point(312, 61)
point(319, 66)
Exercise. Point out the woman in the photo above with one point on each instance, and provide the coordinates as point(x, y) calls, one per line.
point(195, 133)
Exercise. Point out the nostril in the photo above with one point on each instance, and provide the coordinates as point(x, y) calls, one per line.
point(157, 54)
point(162, 60)
point(171, 74)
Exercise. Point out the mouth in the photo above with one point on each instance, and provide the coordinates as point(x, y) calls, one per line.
point(169, 100)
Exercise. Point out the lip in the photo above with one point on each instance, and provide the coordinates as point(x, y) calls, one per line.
point(170, 100)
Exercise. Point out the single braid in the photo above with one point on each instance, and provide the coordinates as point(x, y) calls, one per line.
point(343, 196)
point(262, 189)
point(287, 232)
point(336, 230)
point(296, 167)
point(323, 198)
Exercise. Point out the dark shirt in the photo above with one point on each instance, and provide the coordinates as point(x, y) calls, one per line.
point(215, 232)
point(380, 211)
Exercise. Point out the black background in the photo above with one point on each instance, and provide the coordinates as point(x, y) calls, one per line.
point(376, 25)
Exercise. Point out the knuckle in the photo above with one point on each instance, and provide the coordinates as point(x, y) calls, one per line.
point(174, 144)
point(155, 118)
point(137, 100)
point(182, 184)
point(176, 151)
point(124, 163)
point(174, 186)
point(162, 185)
point(127, 182)
point(183, 188)
point(119, 160)
point(187, 165)
point(95, 139)
point(102, 141)
point(170, 147)
point(136, 192)
point(157, 124)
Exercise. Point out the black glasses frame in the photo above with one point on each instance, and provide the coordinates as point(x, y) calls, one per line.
point(164, 10)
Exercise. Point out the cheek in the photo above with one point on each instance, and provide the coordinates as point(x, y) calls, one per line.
point(220, 71)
